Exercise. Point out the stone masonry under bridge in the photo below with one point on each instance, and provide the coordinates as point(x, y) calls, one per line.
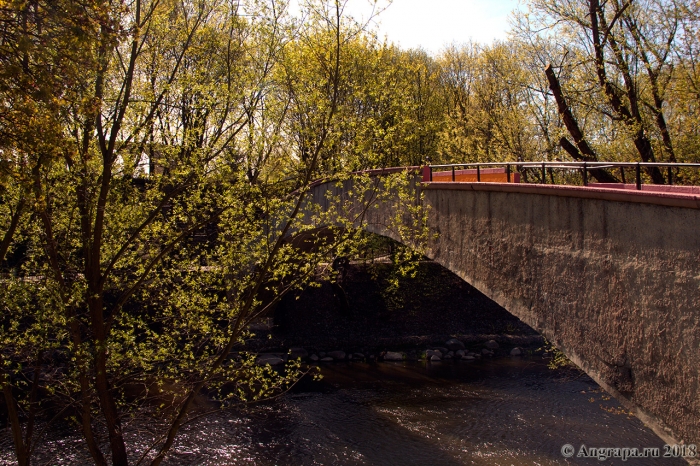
point(612, 279)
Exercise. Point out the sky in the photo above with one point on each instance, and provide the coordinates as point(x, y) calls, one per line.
point(432, 24)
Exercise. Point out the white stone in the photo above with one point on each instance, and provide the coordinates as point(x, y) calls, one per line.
point(454, 344)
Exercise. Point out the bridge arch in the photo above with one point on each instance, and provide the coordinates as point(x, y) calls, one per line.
point(612, 279)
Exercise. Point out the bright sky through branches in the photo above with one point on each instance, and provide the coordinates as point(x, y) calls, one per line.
point(432, 24)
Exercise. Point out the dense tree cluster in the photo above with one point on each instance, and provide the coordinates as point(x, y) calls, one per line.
point(625, 71)
point(155, 158)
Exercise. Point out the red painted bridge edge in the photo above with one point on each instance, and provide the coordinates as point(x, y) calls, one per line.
point(664, 195)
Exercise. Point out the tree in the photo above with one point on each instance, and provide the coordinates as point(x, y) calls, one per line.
point(624, 52)
point(162, 222)
point(489, 98)
point(581, 151)
point(389, 104)
point(41, 58)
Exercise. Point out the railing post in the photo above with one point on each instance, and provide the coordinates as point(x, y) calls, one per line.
point(478, 174)
point(638, 174)
point(427, 174)
point(670, 175)
point(622, 174)
point(453, 172)
point(585, 174)
point(544, 174)
point(508, 172)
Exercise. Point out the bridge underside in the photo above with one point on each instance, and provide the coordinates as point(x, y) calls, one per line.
point(615, 285)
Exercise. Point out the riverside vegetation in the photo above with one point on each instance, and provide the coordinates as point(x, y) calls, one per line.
point(155, 156)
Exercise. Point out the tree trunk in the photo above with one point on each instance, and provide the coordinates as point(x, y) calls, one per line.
point(102, 385)
point(16, 427)
point(582, 151)
point(586, 153)
point(14, 222)
point(641, 141)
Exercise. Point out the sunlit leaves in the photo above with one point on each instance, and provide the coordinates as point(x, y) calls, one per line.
point(167, 204)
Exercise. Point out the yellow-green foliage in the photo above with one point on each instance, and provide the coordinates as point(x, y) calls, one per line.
point(557, 359)
point(156, 155)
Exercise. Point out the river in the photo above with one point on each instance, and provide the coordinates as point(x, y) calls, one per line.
point(505, 411)
point(509, 411)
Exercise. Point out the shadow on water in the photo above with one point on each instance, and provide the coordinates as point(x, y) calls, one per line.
point(506, 412)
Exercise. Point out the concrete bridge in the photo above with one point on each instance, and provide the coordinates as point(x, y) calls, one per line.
point(611, 277)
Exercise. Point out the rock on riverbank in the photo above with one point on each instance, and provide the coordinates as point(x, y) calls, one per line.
point(473, 350)
point(435, 316)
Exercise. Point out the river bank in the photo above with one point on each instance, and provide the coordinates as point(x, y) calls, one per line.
point(433, 316)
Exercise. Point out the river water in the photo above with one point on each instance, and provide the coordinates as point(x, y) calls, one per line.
point(509, 411)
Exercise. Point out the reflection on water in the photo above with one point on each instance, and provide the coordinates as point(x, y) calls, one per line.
point(504, 412)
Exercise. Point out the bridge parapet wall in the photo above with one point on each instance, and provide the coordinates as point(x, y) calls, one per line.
point(374, 206)
point(614, 285)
